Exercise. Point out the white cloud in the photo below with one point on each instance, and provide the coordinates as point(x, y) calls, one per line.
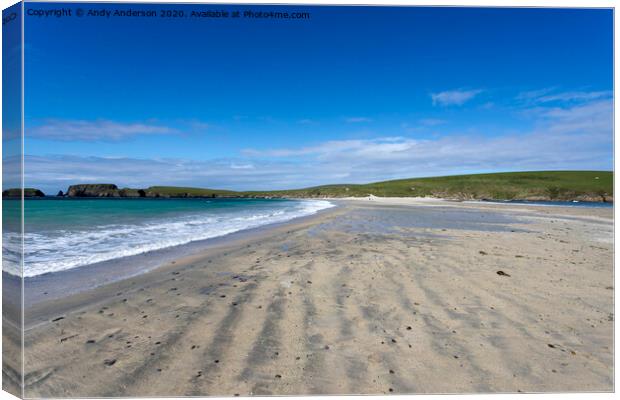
point(594, 118)
point(574, 96)
point(241, 166)
point(56, 172)
point(547, 95)
point(454, 97)
point(199, 125)
point(335, 148)
point(577, 137)
point(432, 121)
point(570, 137)
point(533, 94)
point(354, 120)
point(98, 130)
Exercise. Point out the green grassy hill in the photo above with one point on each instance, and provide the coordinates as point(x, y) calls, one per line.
point(546, 185)
point(542, 185)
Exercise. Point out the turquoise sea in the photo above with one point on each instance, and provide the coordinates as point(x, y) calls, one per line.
point(61, 234)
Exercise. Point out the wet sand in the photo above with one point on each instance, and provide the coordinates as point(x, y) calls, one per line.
point(371, 298)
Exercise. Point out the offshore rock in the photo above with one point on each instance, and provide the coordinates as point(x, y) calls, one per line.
point(93, 190)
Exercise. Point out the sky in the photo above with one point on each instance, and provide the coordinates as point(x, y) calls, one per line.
point(11, 95)
point(349, 95)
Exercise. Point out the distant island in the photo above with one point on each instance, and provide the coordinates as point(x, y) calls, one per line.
point(17, 193)
point(594, 186)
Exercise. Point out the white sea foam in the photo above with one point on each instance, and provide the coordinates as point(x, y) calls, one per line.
point(65, 249)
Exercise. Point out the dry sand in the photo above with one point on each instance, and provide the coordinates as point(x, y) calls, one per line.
point(370, 298)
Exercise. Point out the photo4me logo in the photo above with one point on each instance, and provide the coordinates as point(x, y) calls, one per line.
point(8, 18)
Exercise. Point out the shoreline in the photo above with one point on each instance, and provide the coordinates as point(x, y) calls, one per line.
point(55, 285)
point(65, 283)
point(49, 308)
point(426, 200)
point(534, 201)
point(366, 298)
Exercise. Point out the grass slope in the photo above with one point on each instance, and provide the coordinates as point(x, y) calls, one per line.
point(544, 185)
point(175, 191)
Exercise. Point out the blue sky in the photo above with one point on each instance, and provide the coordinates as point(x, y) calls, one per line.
point(353, 94)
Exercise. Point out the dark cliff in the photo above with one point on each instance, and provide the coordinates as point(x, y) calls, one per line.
point(93, 190)
point(17, 193)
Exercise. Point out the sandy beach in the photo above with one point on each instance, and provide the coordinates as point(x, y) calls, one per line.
point(375, 296)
